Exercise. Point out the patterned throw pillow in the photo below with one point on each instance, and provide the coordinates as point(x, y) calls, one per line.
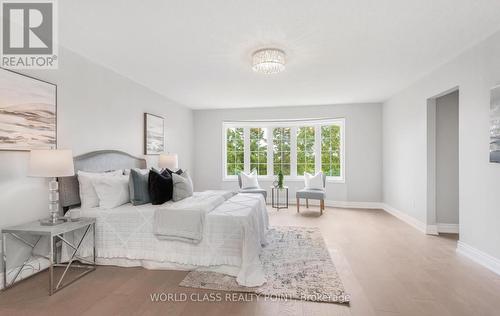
point(138, 186)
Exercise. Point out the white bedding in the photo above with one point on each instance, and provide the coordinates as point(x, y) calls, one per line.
point(185, 220)
point(232, 239)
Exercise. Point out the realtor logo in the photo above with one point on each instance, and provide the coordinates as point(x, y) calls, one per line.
point(29, 38)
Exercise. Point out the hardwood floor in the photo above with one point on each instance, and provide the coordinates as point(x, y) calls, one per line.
point(388, 267)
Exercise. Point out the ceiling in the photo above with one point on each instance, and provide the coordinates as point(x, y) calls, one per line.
point(198, 52)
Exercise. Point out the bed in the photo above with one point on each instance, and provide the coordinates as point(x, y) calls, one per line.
point(233, 235)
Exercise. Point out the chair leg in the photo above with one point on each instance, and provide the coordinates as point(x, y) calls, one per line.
point(298, 205)
point(307, 203)
point(322, 206)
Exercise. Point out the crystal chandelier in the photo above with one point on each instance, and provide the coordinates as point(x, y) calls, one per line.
point(268, 61)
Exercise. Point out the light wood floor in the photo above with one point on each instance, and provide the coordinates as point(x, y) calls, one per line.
point(388, 267)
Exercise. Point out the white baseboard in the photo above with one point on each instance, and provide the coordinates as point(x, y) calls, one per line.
point(426, 229)
point(479, 256)
point(349, 204)
point(407, 219)
point(432, 230)
point(421, 226)
point(447, 228)
point(341, 204)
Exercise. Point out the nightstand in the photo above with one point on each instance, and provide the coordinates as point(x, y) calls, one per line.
point(54, 235)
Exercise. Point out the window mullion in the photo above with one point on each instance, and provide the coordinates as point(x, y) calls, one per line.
point(317, 148)
point(293, 153)
point(246, 146)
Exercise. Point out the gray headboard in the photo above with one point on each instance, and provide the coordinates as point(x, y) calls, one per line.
point(95, 161)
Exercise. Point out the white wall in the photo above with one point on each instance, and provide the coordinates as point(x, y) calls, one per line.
point(447, 159)
point(405, 149)
point(363, 147)
point(97, 109)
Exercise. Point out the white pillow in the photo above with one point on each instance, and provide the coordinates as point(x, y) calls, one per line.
point(127, 171)
point(112, 191)
point(313, 182)
point(249, 180)
point(183, 186)
point(88, 196)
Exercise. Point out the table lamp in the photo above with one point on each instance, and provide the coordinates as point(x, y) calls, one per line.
point(169, 161)
point(51, 163)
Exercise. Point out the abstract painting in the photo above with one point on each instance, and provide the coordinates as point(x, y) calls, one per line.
point(495, 125)
point(27, 112)
point(154, 136)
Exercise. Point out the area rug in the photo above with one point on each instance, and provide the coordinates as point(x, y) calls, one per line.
point(297, 266)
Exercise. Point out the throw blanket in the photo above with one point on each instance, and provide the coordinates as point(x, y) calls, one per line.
point(184, 220)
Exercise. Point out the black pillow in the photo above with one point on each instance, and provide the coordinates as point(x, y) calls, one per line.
point(160, 187)
point(179, 172)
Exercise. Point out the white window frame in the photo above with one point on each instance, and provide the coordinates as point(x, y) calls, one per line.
point(293, 124)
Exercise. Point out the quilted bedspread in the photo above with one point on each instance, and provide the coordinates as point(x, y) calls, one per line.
point(233, 237)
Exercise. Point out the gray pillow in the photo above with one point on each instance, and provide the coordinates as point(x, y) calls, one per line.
point(183, 186)
point(138, 186)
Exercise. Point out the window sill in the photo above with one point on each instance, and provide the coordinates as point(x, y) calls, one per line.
point(291, 179)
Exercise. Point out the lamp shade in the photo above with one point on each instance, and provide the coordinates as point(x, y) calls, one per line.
point(51, 163)
point(169, 161)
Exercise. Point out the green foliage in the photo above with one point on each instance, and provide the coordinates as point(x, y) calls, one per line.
point(305, 150)
point(235, 156)
point(280, 179)
point(258, 150)
point(330, 150)
point(281, 150)
point(285, 168)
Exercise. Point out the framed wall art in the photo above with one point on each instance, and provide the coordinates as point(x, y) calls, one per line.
point(28, 112)
point(154, 134)
point(495, 124)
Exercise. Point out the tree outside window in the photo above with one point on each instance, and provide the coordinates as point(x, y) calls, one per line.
point(235, 157)
point(305, 150)
point(258, 150)
point(330, 150)
point(282, 150)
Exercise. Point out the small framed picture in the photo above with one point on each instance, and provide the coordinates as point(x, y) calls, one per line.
point(154, 134)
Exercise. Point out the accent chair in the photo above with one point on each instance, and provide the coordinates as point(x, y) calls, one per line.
point(257, 190)
point(313, 194)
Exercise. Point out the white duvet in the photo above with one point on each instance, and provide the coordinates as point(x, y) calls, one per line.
point(185, 220)
point(233, 237)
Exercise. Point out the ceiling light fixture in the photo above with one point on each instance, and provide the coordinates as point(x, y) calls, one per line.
point(268, 61)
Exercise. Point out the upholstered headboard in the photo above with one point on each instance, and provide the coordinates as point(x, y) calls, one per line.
point(95, 161)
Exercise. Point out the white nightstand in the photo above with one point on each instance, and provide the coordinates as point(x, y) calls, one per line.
point(55, 234)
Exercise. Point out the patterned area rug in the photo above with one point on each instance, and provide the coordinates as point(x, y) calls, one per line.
point(297, 266)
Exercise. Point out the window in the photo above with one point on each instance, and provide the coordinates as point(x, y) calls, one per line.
point(235, 154)
point(281, 150)
point(293, 147)
point(330, 150)
point(258, 150)
point(305, 150)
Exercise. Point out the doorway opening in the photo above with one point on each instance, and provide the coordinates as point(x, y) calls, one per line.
point(443, 163)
